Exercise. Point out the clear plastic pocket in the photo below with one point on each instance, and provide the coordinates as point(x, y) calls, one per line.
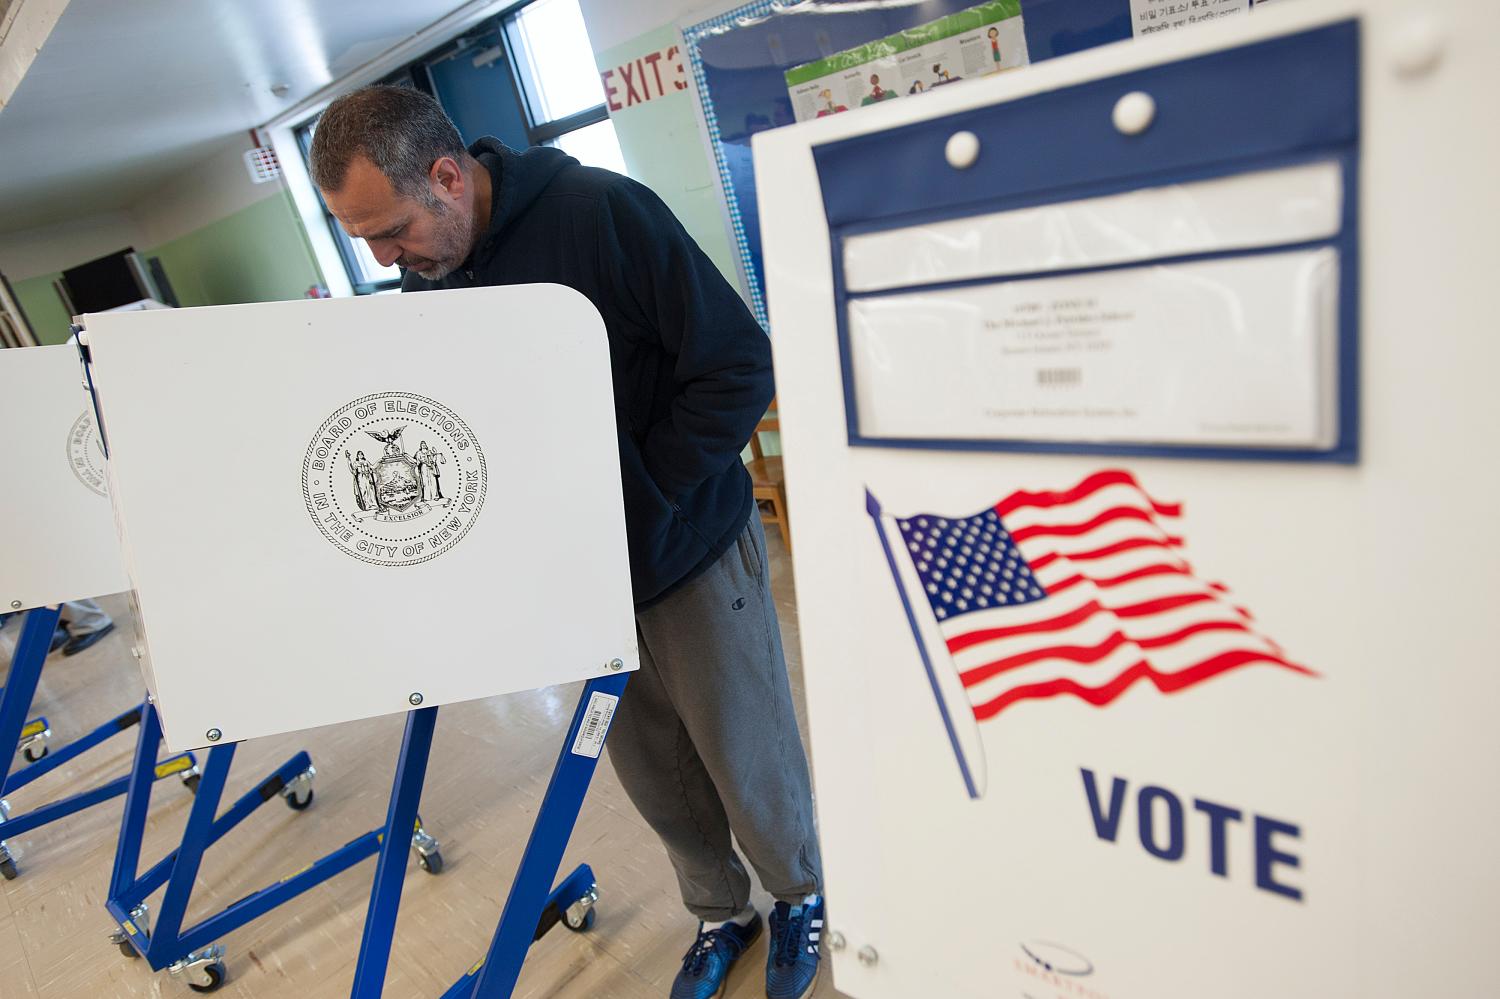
point(1229, 351)
point(1262, 208)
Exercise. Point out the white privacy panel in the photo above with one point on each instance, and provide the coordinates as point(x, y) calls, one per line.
point(1170, 722)
point(336, 509)
point(57, 539)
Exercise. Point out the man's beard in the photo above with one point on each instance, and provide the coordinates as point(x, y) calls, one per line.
point(452, 239)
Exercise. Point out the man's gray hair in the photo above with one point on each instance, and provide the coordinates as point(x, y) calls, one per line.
point(400, 130)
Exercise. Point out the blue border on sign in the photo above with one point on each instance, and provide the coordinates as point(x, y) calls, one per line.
point(690, 38)
point(1322, 136)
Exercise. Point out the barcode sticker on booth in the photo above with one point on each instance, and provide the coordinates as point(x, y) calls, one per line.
point(595, 724)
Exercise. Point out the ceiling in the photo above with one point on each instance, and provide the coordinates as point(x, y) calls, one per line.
point(123, 96)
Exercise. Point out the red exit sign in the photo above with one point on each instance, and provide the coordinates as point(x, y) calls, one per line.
point(646, 78)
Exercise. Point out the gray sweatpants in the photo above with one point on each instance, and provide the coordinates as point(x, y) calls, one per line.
point(84, 617)
point(706, 743)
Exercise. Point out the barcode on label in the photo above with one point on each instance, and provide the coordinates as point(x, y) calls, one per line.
point(592, 727)
point(596, 719)
point(1059, 376)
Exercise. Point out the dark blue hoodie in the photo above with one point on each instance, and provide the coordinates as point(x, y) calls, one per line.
point(692, 368)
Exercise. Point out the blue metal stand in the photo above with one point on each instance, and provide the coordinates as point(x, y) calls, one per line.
point(15, 702)
point(533, 906)
point(390, 870)
point(191, 952)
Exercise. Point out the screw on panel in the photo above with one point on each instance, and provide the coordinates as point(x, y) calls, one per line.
point(214, 735)
point(15, 605)
point(415, 699)
point(617, 664)
point(836, 940)
point(867, 956)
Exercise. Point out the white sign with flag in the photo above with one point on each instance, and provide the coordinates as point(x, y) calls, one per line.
point(1097, 719)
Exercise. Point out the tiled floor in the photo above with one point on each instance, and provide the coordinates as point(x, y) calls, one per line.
point(490, 763)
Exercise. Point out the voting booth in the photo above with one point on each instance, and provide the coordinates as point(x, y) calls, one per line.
point(1137, 417)
point(59, 537)
point(57, 543)
point(332, 510)
point(358, 503)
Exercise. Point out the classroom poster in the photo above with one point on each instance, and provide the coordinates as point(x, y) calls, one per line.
point(1147, 17)
point(980, 41)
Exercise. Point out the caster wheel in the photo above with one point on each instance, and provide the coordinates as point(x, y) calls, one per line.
point(191, 782)
point(582, 926)
point(128, 950)
point(9, 870)
point(217, 975)
point(297, 806)
point(32, 756)
point(432, 864)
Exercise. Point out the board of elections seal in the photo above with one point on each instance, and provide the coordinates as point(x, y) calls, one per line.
point(394, 478)
point(86, 453)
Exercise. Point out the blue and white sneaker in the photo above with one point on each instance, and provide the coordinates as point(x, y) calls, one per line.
point(705, 967)
point(796, 939)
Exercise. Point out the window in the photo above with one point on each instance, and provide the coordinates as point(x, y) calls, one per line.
point(526, 76)
point(594, 145)
point(559, 83)
point(549, 39)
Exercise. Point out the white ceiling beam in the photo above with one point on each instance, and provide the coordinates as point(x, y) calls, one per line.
point(24, 26)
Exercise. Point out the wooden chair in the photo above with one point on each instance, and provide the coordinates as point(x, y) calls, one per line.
point(768, 480)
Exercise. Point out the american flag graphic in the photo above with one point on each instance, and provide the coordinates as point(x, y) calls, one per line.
point(1081, 592)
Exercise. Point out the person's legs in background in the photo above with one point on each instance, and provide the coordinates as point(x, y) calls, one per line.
point(59, 634)
point(85, 623)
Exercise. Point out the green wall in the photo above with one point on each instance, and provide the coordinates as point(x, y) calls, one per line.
point(258, 254)
point(664, 150)
point(43, 308)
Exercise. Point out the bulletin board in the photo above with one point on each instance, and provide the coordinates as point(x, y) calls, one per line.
point(740, 58)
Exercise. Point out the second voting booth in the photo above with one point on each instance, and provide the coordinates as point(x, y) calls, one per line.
point(57, 543)
point(358, 505)
point(1138, 415)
